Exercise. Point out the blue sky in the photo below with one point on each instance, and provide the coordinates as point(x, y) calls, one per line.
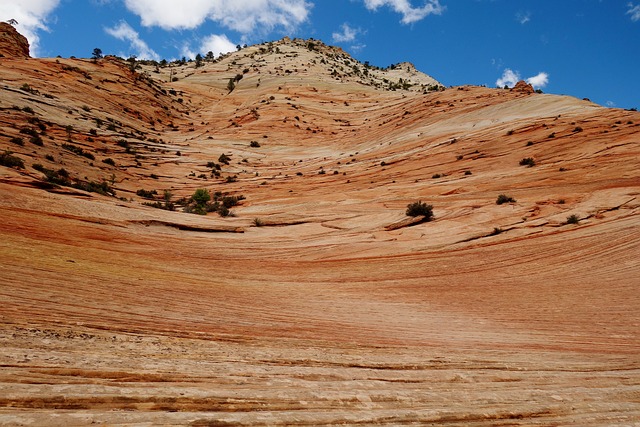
point(582, 48)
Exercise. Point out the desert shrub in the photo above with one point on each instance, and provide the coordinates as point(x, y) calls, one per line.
point(468, 173)
point(503, 198)
point(436, 176)
point(109, 161)
point(79, 151)
point(573, 219)
point(147, 194)
point(224, 159)
point(254, 144)
point(528, 161)
point(17, 140)
point(420, 209)
point(95, 187)
point(36, 140)
point(10, 161)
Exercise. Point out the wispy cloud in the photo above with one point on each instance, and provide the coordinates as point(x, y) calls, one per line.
point(610, 104)
point(509, 78)
point(32, 17)
point(124, 31)
point(409, 13)
point(634, 11)
point(523, 17)
point(346, 35)
point(244, 16)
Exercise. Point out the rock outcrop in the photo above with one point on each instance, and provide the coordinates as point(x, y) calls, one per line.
point(523, 87)
point(12, 43)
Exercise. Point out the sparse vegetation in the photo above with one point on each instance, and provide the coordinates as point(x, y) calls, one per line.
point(224, 159)
point(254, 144)
point(201, 203)
point(79, 151)
point(503, 198)
point(420, 209)
point(17, 140)
point(147, 194)
point(528, 161)
point(9, 160)
point(573, 219)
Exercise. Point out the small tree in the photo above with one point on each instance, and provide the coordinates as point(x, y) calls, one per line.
point(198, 61)
point(97, 54)
point(420, 209)
point(201, 196)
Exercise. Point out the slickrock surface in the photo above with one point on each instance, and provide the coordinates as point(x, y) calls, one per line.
point(318, 302)
point(12, 43)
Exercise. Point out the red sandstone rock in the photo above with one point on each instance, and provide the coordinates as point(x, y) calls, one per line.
point(12, 43)
point(523, 87)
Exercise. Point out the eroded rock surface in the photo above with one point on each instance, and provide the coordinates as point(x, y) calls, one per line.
point(317, 302)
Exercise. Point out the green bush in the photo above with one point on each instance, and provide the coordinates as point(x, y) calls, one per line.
point(201, 196)
point(420, 209)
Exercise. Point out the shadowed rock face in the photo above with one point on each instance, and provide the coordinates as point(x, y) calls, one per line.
point(318, 301)
point(12, 43)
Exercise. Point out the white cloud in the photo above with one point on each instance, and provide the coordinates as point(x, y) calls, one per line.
point(244, 16)
point(610, 104)
point(31, 16)
point(218, 44)
point(634, 11)
point(409, 13)
point(348, 34)
point(510, 78)
point(523, 17)
point(538, 81)
point(140, 48)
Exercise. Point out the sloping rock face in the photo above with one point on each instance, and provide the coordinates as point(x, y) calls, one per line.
point(12, 43)
point(331, 308)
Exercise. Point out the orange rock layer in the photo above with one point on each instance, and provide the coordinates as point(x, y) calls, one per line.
point(317, 302)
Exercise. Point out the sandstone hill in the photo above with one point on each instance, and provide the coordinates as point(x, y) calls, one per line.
point(306, 295)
